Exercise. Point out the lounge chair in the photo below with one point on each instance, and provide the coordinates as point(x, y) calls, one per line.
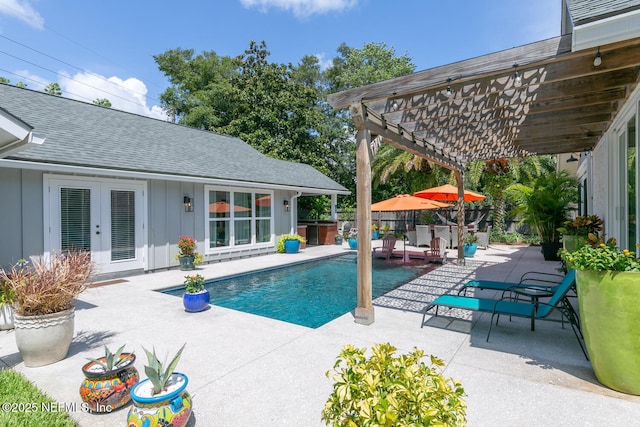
point(535, 279)
point(423, 235)
point(436, 252)
point(385, 251)
point(507, 306)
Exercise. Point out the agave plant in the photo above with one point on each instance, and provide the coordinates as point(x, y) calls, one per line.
point(155, 372)
point(111, 360)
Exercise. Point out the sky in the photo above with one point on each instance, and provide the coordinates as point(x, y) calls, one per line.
point(105, 49)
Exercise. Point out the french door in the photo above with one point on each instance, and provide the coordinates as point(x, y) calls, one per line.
point(104, 217)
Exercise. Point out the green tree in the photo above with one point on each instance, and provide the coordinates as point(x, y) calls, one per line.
point(21, 84)
point(4, 81)
point(103, 102)
point(53, 89)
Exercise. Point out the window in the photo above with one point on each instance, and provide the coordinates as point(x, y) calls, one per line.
point(239, 218)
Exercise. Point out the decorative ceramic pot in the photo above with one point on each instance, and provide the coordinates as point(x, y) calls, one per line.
point(6, 317)
point(291, 246)
point(610, 318)
point(375, 235)
point(186, 263)
point(107, 391)
point(469, 249)
point(194, 302)
point(338, 240)
point(353, 243)
point(171, 407)
point(45, 339)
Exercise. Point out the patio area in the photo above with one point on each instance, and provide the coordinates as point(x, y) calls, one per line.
point(246, 370)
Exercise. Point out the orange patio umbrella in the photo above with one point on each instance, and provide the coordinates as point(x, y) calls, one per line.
point(224, 207)
point(406, 202)
point(448, 193)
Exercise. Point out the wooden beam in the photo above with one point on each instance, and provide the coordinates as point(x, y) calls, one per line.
point(364, 313)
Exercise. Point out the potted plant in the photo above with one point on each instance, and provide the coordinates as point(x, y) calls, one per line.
point(187, 255)
point(575, 233)
point(45, 295)
point(470, 245)
point(375, 234)
point(338, 239)
point(196, 296)
point(109, 380)
point(353, 239)
point(385, 389)
point(289, 243)
point(6, 306)
point(385, 229)
point(546, 205)
point(161, 399)
point(608, 288)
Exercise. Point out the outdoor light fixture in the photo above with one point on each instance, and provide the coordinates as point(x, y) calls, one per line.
point(286, 206)
point(597, 60)
point(448, 92)
point(188, 204)
point(572, 159)
point(516, 75)
point(395, 105)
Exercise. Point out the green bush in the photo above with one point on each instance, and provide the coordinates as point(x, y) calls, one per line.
point(385, 390)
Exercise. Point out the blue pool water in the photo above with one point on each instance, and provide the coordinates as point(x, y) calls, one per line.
point(308, 294)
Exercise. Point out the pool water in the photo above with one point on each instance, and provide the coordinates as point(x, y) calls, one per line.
point(308, 294)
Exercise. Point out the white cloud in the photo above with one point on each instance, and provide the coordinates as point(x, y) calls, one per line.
point(127, 95)
point(23, 11)
point(301, 8)
point(325, 64)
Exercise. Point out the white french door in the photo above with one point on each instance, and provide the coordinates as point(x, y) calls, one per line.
point(105, 217)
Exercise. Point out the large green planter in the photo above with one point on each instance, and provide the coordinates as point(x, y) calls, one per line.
point(610, 318)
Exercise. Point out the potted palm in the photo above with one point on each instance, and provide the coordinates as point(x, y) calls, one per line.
point(546, 205)
point(45, 294)
point(608, 288)
point(196, 297)
point(109, 380)
point(162, 398)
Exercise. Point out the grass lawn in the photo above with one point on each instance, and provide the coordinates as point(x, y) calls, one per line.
point(23, 405)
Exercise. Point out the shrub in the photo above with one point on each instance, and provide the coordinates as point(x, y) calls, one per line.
point(193, 283)
point(600, 256)
point(385, 390)
point(280, 246)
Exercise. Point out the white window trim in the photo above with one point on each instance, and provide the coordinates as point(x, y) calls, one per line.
point(232, 246)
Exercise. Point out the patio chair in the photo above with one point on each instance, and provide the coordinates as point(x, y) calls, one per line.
point(436, 252)
point(507, 306)
point(385, 251)
point(423, 235)
point(441, 231)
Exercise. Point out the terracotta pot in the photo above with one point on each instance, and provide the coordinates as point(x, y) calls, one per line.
point(107, 391)
point(610, 318)
point(45, 339)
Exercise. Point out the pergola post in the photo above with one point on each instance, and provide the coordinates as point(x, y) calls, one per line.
point(460, 181)
point(364, 313)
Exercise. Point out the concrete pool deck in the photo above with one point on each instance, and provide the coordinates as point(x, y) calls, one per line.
point(245, 370)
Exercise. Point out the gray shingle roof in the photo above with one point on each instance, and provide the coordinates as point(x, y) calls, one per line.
point(584, 11)
point(83, 134)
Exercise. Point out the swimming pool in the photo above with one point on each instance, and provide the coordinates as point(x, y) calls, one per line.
point(307, 294)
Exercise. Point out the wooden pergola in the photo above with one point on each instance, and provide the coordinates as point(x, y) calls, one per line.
point(541, 98)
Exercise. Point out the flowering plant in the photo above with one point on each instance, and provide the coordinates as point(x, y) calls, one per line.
point(601, 256)
point(194, 283)
point(186, 245)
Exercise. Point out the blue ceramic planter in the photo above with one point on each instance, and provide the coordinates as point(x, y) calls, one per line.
point(470, 250)
point(291, 246)
point(196, 302)
point(353, 244)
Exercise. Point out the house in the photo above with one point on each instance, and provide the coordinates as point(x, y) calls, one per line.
point(575, 93)
point(125, 187)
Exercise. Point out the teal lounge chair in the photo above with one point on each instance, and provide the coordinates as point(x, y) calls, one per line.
point(507, 306)
point(530, 279)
